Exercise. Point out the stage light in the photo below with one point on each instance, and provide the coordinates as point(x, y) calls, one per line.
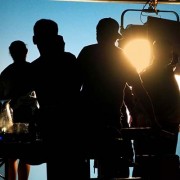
point(137, 45)
point(139, 53)
point(138, 39)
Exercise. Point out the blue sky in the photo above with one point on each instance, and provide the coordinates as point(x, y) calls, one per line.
point(77, 22)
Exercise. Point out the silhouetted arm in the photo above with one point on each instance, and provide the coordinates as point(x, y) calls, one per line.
point(144, 101)
point(140, 93)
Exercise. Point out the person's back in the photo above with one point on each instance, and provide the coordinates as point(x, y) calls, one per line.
point(16, 75)
point(53, 65)
point(15, 79)
point(104, 72)
point(103, 68)
point(54, 81)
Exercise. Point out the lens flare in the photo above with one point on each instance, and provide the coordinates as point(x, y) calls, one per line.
point(139, 53)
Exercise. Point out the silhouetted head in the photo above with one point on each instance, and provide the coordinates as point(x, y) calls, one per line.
point(45, 27)
point(46, 36)
point(163, 51)
point(18, 51)
point(107, 30)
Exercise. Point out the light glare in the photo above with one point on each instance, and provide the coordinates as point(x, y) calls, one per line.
point(139, 53)
point(178, 80)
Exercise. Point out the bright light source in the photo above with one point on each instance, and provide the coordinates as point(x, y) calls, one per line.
point(139, 53)
point(178, 80)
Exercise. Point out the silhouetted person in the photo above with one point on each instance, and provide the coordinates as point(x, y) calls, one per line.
point(104, 72)
point(160, 82)
point(54, 81)
point(16, 83)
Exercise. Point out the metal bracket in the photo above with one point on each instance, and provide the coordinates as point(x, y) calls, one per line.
point(146, 11)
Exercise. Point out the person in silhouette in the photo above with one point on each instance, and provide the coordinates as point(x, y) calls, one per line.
point(160, 82)
point(104, 72)
point(16, 83)
point(55, 82)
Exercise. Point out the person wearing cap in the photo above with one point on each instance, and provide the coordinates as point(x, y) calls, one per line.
point(105, 71)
